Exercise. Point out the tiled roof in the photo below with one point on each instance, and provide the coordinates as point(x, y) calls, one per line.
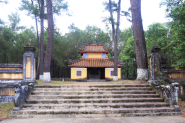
point(94, 47)
point(93, 62)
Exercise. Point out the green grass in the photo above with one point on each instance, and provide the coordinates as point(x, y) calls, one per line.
point(40, 82)
point(179, 99)
point(5, 109)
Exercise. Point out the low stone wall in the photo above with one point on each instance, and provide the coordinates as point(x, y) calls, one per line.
point(175, 75)
point(7, 89)
point(7, 94)
point(12, 75)
point(11, 72)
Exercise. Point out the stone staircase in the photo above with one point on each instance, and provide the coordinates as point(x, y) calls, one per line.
point(93, 101)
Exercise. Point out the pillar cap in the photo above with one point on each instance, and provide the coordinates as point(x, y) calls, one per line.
point(154, 49)
point(29, 48)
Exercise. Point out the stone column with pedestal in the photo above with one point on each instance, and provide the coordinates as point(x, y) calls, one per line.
point(155, 73)
point(29, 64)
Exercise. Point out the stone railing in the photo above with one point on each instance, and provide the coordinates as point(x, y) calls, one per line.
point(22, 92)
point(169, 93)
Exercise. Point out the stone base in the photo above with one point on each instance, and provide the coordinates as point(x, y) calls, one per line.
point(6, 99)
point(47, 77)
point(41, 77)
point(115, 78)
point(142, 74)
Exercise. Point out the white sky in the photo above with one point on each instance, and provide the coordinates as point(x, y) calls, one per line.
point(89, 12)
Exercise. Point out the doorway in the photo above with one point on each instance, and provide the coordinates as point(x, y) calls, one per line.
point(95, 73)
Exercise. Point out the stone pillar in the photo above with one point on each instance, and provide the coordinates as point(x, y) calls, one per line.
point(29, 64)
point(155, 73)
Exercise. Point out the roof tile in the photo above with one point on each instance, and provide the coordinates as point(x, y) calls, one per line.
point(95, 62)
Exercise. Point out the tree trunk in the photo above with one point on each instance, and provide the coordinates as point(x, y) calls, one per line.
point(116, 42)
point(49, 48)
point(41, 38)
point(139, 40)
point(115, 37)
point(38, 66)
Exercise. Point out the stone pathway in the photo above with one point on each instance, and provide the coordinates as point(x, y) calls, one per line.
point(161, 119)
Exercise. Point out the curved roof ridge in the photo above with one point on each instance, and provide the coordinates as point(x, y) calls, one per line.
point(94, 47)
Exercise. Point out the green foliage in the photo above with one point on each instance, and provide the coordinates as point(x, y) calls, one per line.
point(59, 6)
point(12, 43)
point(14, 19)
point(6, 40)
point(153, 36)
point(1, 21)
point(126, 47)
point(109, 55)
point(162, 82)
point(179, 99)
point(175, 41)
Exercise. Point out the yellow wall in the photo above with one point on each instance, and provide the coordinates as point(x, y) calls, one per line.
point(73, 73)
point(107, 73)
point(94, 55)
point(11, 76)
point(7, 91)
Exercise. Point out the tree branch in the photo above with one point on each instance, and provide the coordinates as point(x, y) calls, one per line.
point(115, 10)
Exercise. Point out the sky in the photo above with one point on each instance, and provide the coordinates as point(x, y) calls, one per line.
point(88, 12)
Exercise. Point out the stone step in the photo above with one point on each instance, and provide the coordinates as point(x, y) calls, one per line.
point(93, 89)
point(91, 100)
point(92, 92)
point(95, 115)
point(94, 111)
point(92, 96)
point(107, 85)
point(94, 105)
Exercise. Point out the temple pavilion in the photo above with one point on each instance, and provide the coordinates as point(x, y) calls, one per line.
point(94, 63)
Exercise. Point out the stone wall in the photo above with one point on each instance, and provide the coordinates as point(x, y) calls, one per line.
point(12, 75)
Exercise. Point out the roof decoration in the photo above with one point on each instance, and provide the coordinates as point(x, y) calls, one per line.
point(94, 47)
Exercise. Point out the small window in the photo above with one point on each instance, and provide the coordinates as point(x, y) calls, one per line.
point(79, 73)
point(103, 56)
point(85, 55)
point(112, 73)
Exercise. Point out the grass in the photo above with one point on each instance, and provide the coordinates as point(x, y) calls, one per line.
point(40, 82)
point(5, 109)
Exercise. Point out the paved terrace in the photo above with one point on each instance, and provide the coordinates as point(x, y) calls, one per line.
point(161, 119)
